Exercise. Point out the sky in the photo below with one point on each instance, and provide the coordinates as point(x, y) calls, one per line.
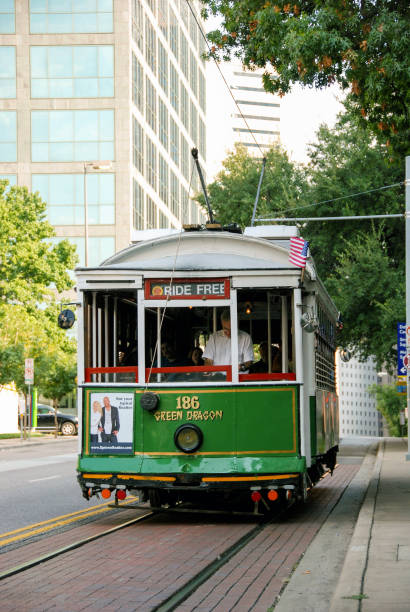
point(301, 113)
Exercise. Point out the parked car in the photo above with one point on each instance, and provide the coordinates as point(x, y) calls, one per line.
point(67, 423)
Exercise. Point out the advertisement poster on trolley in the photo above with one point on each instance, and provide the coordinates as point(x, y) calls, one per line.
point(111, 423)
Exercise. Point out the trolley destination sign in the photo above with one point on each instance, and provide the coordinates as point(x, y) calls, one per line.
point(197, 289)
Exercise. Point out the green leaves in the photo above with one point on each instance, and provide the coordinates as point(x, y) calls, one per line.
point(31, 270)
point(390, 403)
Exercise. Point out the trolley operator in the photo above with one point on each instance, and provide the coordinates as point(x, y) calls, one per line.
point(218, 347)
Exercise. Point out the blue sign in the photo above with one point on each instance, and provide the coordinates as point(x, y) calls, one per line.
point(401, 348)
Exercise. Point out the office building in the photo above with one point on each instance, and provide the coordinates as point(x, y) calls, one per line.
point(358, 415)
point(101, 102)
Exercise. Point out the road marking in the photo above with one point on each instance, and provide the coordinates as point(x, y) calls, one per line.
point(44, 526)
point(45, 478)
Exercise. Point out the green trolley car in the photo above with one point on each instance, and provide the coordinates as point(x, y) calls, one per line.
point(154, 422)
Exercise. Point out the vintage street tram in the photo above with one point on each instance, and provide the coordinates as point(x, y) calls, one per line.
point(154, 422)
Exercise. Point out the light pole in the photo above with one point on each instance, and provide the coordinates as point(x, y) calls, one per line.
point(93, 165)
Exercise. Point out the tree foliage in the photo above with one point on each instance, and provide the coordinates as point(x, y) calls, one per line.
point(31, 269)
point(390, 403)
point(363, 46)
point(234, 190)
point(347, 161)
point(369, 291)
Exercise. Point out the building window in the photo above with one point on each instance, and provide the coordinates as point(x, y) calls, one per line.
point(194, 212)
point(174, 87)
point(7, 22)
point(162, 67)
point(185, 158)
point(193, 29)
point(65, 195)
point(150, 46)
point(50, 17)
point(151, 214)
point(72, 72)
point(138, 137)
point(194, 123)
point(163, 124)
point(8, 136)
point(163, 221)
point(151, 162)
point(174, 141)
point(163, 17)
point(174, 194)
point(184, 107)
point(150, 104)
point(163, 180)
point(184, 55)
point(184, 10)
point(202, 138)
point(7, 72)
point(138, 206)
point(137, 84)
point(138, 24)
point(173, 32)
point(79, 135)
point(184, 204)
point(193, 73)
point(202, 90)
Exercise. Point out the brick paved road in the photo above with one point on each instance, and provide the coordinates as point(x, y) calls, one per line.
point(139, 567)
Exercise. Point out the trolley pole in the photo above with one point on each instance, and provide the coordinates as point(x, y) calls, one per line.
point(408, 293)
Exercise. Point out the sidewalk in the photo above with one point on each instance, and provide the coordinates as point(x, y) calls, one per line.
point(9, 443)
point(361, 562)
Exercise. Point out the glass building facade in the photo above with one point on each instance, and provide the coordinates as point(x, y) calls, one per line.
point(104, 127)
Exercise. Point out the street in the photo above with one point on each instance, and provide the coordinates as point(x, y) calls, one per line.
point(38, 483)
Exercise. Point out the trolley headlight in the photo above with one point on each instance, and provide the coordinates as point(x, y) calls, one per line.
point(188, 438)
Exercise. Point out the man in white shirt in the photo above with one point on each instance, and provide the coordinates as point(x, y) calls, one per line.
point(218, 347)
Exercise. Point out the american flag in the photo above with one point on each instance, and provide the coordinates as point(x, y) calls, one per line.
point(298, 251)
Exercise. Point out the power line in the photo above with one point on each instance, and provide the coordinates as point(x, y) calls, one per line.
point(221, 73)
point(352, 195)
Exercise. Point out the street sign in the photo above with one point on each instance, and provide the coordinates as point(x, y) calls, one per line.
point(401, 348)
point(406, 361)
point(29, 371)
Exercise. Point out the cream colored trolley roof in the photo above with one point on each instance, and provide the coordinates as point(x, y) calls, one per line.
point(205, 251)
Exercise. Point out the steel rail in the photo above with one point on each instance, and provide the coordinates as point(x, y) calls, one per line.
point(28, 564)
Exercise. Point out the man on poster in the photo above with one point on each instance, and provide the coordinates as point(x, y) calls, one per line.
point(110, 423)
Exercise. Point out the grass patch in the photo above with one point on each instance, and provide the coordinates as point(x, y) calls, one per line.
point(356, 597)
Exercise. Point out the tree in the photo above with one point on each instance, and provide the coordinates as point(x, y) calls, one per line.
point(233, 192)
point(369, 291)
point(31, 269)
point(347, 161)
point(363, 46)
point(390, 403)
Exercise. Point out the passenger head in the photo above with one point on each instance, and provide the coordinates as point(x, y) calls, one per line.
point(196, 356)
point(263, 350)
point(226, 322)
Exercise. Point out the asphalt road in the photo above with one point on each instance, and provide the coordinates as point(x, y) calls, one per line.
point(38, 483)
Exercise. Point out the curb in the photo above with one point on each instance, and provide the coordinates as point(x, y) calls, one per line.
point(18, 443)
point(350, 584)
point(313, 583)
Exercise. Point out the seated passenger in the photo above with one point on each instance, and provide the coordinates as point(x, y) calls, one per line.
point(218, 347)
point(195, 356)
point(262, 366)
